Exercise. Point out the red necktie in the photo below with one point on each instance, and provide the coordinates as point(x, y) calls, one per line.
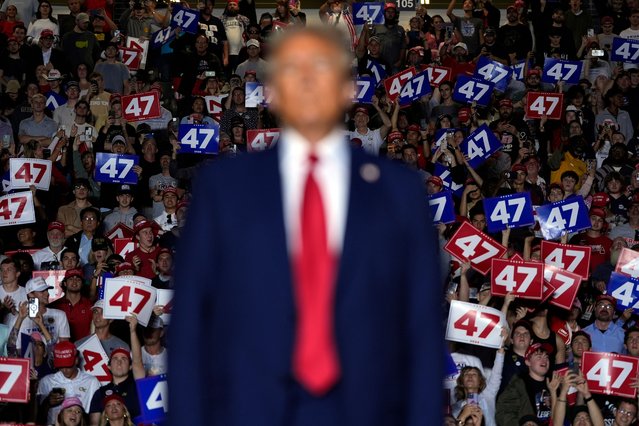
point(315, 360)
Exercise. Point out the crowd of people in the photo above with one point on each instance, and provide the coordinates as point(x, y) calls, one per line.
point(62, 83)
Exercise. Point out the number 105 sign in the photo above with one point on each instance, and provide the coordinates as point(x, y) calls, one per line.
point(610, 374)
point(474, 324)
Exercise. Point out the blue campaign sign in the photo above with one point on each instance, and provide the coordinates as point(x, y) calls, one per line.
point(115, 168)
point(377, 69)
point(444, 173)
point(442, 207)
point(569, 215)
point(364, 90)
point(254, 95)
point(625, 289)
point(368, 13)
point(624, 50)
point(199, 138)
point(185, 18)
point(480, 145)
point(414, 88)
point(472, 89)
point(509, 211)
point(54, 100)
point(556, 70)
point(161, 37)
point(518, 70)
point(494, 72)
point(153, 397)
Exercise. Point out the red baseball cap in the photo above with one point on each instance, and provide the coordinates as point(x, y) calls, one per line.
point(55, 225)
point(519, 168)
point(413, 128)
point(537, 347)
point(600, 199)
point(124, 266)
point(142, 225)
point(463, 115)
point(607, 297)
point(46, 33)
point(64, 355)
point(596, 211)
point(506, 103)
point(121, 351)
point(113, 397)
point(435, 180)
point(363, 110)
point(75, 272)
point(394, 136)
point(390, 5)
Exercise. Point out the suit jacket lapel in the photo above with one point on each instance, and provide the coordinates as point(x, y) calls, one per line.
point(361, 196)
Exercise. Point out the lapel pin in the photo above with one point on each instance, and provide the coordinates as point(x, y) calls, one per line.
point(369, 172)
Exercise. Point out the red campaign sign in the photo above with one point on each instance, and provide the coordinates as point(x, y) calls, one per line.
point(119, 231)
point(123, 246)
point(610, 374)
point(261, 139)
point(437, 75)
point(131, 57)
point(469, 243)
point(523, 279)
point(565, 284)
point(628, 263)
point(544, 103)
point(14, 379)
point(572, 391)
point(141, 106)
point(568, 257)
point(394, 84)
point(94, 360)
point(54, 279)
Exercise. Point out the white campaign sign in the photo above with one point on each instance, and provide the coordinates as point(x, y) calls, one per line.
point(25, 172)
point(94, 360)
point(17, 208)
point(474, 324)
point(165, 298)
point(126, 295)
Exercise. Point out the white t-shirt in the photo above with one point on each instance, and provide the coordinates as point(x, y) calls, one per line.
point(82, 386)
point(54, 319)
point(155, 365)
point(234, 30)
point(45, 255)
point(18, 296)
point(371, 140)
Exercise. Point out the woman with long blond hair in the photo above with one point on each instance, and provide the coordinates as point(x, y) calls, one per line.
point(115, 412)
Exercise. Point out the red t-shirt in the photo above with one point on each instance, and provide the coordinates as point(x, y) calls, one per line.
point(78, 315)
point(146, 267)
point(600, 248)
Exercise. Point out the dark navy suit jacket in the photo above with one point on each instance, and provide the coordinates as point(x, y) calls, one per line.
point(234, 316)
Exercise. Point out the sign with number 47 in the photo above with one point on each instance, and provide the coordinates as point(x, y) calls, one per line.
point(141, 106)
point(474, 324)
point(610, 374)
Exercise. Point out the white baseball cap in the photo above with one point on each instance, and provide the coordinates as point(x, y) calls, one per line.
point(37, 284)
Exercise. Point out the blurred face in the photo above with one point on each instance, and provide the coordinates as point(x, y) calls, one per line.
point(479, 221)
point(72, 416)
point(409, 156)
point(580, 345)
point(146, 237)
point(165, 261)
point(614, 186)
point(311, 88)
point(44, 9)
point(538, 363)
point(98, 319)
point(124, 200)
point(69, 260)
point(632, 343)
point(56, 238)
point(120, 365)
point(521, 339)
point(9, 273)
point(626, 414)
point(568, 183)
point(471, 380)
point(114, 410)
point(90, 222)
point(26, 235)
point(604, 311)
point(170, 200)
point(575, 129)
point(582, 419)
point(596, 223)
point(74, 284)
point(361, 120)
point(42, 296)
point(38, 103)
